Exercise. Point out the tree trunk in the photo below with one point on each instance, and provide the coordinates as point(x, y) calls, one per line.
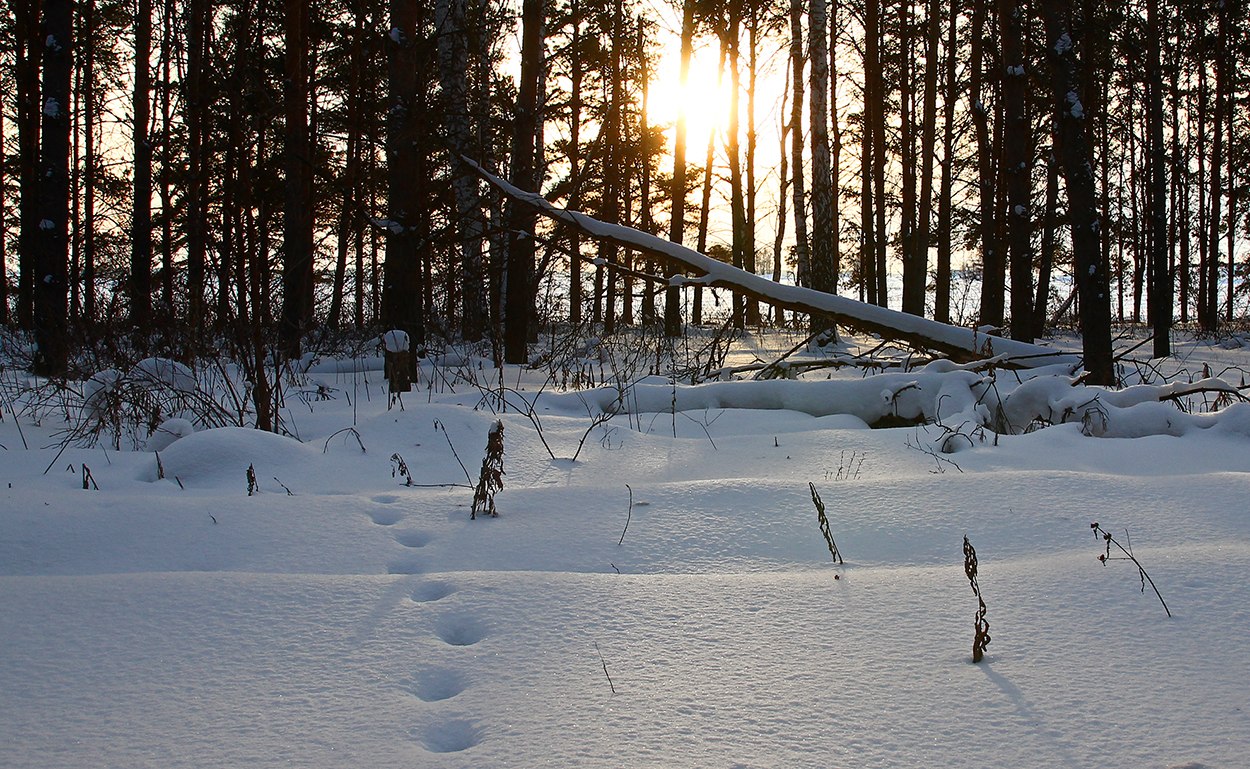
point(1161, 284)
point(822, 174)
point(677, 222)
point(1091, 271)
point(26, 73)
point(732, 149)
point(992, 275)
point(297, 238)
point(403, 306)
point(942, 288)
point(141, 220)
point(52, 245)
point(519, 290)
point(453, 55)
point(197, 110)
point(1017, 168)
point(928, 142)
point(798, 190)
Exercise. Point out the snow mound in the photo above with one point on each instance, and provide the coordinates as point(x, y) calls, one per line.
point(224, 454)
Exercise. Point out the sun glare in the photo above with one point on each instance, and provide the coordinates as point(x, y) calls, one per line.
point(705, 100)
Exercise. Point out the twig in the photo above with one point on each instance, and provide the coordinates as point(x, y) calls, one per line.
point(628, 514)
point(605, 667)
point(283, 485)
point(439, 426)
point(350, 430)
point(1128, 556)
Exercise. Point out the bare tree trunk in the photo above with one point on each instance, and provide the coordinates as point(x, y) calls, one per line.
point(26, 73)
point(297, 240)
point(696, 309)
point(677, 221)
point(519, 291)
point(197, 107)
point(51, 353)
point(732, 149)
point(141, 220)
point(403, 299)
point(992, 277)
point(1017, 168)
point(942, 288)
point(822, 174)
point(1091, 271)
point(1161, 284)
point(798, 190)
point(748, 254)
point(928, 142)
point(453, 49)
point(349, 209)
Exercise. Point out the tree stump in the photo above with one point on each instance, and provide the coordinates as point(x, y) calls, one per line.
point(397, 358)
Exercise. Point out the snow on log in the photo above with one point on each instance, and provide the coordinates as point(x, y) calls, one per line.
point(959, 343)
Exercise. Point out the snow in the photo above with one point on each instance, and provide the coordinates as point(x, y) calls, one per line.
point(179, 622)
point(395, 340)
point(1074, 105)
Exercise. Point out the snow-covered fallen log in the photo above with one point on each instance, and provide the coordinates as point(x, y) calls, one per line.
point(960, 400)
point(959, 343)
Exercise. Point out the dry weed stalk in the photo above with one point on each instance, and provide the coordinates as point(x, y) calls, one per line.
point(981, 639)
point(490, 480)
point(824, 523)
point(1128, 556)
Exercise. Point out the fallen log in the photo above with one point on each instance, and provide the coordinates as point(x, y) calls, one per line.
point(961, 344)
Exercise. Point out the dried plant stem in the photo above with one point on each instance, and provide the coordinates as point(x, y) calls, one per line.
point(824, 524)
point(981, 639)
point(628, 515)
point(1128, 556)
point(605, 668)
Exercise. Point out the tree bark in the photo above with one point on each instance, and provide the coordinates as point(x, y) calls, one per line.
point(1017, 168)
point(1091, 271)
point(141, 219)
point(677, 221)
point(519, 291)
point(1161, 284)
point(297, 238)
point(52, 244)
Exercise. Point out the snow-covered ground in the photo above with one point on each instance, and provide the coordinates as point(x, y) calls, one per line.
point(665, 600)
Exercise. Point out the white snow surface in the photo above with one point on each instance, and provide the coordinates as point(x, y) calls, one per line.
point(359, 621)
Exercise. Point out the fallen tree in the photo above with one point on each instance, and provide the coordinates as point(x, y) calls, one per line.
point(960, 344)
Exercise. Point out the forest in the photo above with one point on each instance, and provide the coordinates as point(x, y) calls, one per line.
point(185, 176)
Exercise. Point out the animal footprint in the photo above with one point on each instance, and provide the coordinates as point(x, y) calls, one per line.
point(432, 591)
point(386, 517)
point(438, 684)
point(461, 631)
point(450, 736)
point(413, 538)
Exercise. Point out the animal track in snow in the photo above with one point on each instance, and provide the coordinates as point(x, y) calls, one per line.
point(413, 538)
point(386, 517)
point(460, 631)
point(386, 499)
point(432, 591)
point(438, 684)
point(450, 736)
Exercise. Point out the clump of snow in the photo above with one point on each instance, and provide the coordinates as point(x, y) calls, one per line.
point(169, 431)
point(395, 341)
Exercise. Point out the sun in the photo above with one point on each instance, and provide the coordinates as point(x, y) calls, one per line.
point(705, 98)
